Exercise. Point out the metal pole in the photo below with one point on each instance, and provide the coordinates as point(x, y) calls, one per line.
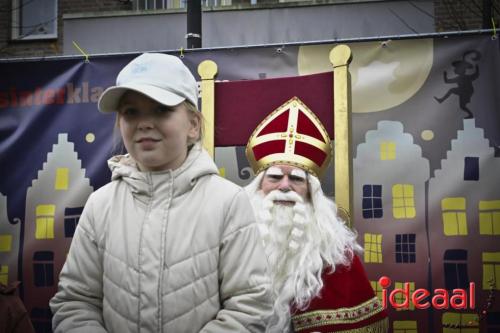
point(487, 11)
point(193, 35)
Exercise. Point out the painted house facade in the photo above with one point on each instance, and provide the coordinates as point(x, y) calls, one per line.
point(9, 245)
point(464, 220)
point(390, 176)
point(50, 227)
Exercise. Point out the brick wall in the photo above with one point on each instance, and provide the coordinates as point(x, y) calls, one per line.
point(455, 15)
point(11, 49)
point(450, 15)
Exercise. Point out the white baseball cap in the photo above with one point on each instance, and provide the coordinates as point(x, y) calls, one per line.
point(161, 77)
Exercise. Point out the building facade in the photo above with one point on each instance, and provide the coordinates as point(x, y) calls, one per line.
point(68, 27)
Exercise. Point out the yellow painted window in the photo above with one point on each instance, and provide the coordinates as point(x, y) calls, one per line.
point(4, 274)
point(45, 221)
point(5, 243)
point(377, 289)
point(491, 270)
point(400, 298)
point(404, 326)
point(454, 217)
point(62, 179)
point(489, 217)
point(387, 150)
point(403, 201)
point(373, 248)
point(464, 322)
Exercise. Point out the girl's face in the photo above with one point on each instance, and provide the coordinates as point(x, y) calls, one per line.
point(156, 136)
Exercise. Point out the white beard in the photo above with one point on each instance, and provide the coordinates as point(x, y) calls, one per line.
point(292, 246)
point(298, 247)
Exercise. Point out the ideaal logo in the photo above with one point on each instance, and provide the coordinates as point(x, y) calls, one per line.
point(440, 299)
point(69, 94)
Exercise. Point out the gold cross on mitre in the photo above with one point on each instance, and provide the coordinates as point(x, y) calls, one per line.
point(292, 134)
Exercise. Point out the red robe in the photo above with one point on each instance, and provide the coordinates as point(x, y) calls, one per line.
point(346, 303)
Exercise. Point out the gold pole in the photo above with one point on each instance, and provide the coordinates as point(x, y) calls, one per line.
point(340, 57)
point(207, 70)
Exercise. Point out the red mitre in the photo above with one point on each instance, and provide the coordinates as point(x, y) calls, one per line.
point(293, 135)
point(347, 303)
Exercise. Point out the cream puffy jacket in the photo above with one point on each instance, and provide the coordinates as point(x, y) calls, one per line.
point(174, 251)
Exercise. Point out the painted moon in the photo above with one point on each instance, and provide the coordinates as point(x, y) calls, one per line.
point(383, 75)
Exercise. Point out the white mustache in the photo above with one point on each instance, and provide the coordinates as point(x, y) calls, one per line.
point(277, 195)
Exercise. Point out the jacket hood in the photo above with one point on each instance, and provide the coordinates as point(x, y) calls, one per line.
point(197, 164)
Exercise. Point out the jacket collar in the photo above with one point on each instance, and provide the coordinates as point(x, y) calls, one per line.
point(197, 164)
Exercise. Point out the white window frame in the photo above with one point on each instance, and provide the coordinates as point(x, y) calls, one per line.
point(179, 4)
point(165, 4)
point(17, 22)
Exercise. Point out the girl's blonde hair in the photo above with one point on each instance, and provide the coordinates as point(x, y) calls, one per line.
point(193, 110)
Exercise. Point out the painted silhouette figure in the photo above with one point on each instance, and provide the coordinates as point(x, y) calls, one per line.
point(463, 81)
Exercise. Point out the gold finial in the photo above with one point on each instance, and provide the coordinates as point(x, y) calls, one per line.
point(207, 69)
point(340, 55)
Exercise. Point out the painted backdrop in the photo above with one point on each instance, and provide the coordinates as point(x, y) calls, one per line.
point(426, 140)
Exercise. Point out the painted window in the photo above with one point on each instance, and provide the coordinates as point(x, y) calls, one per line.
point(460, 322)
point(454, 216)
point(403, 201)
point(377, 289)
point(387, 150)
point(373, 248)
point(5, 243)
point(4, 274)
point(400, 298)
point(489, 217)
point(42, 320)
point(455, 269)
point(45, 221)
point(62, 179)
point(471, 168)
point(34, 19)
point(43, 268)
point(71, 217)
point(372, 202)
point(405, 248)
point(404, 326)
point(491, 270)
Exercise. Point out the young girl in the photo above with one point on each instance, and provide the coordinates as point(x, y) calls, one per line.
point(168, 245)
